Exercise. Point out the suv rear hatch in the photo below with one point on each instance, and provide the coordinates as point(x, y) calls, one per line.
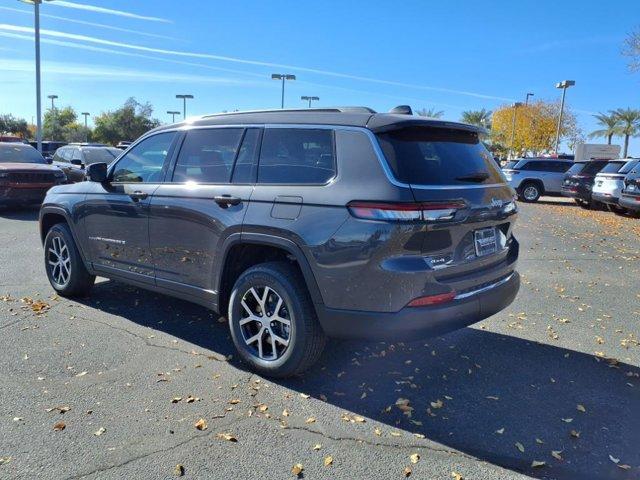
point(469, 209)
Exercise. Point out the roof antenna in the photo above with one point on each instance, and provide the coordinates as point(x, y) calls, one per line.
point(402, 109)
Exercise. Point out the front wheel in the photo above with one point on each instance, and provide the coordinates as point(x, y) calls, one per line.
point(273, 322)
point(530, 192)
point(65, 269)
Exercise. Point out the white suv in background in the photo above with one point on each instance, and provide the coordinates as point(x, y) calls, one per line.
point(533, 177)
point(609, 182)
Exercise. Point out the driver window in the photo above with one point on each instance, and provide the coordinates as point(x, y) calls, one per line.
point(143, 163)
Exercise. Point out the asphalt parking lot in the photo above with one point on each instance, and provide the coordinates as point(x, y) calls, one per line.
point(125, 375)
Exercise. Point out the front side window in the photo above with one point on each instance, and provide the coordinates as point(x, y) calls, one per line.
point(207, 155)
point(296, 156)
point(438, 156)
point(144, 162)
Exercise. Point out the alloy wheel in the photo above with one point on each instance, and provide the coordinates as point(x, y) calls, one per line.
point(530, 193)
point(265, 323)
point(59, 261)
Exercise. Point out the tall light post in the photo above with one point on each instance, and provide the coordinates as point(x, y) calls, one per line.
point(184, 103)
point(36, 10)
point(314, 99)
point(173, 114)
point(86, 128)
point(513, 126)
point(563, 85)
point(283, 77)
point(526, 102)
point(53, 115)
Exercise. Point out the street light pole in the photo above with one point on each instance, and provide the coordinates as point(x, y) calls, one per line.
point(526, 102)
point(563, 85)
point(86, 128)
point(283, 77)
point(184, 103)
point(173, 114)
point(513, 126)
point(305, 97)
point(53, 115)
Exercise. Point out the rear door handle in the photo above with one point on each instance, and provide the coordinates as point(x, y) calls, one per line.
point(226, 200)
point(138, 195)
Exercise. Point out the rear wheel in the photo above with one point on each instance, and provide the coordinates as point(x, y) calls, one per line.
point(273, 322)
point(65, 268)
point(530, 192)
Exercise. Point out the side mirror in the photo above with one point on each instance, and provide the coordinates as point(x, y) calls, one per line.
point(76, 161)
point(97, 172)
point(49, 160)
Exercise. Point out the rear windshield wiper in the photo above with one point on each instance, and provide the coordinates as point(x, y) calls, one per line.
point(474, 177)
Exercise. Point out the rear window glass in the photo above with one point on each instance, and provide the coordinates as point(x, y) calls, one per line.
point(612, 167)
point(587, 168)
point(438, 156)
point(100, 155)
point(296, 156)
point(628, 166)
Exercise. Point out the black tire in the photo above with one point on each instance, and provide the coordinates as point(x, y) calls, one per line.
point(79, 281)
point(530, 192)
point(306, 339)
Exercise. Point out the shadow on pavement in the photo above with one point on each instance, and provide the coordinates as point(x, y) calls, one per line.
point(487, 382)
point(560, 203)
point(29, 213)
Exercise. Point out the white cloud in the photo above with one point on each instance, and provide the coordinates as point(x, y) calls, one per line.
point(99, 41)
point(90, 24)
point(108, 11)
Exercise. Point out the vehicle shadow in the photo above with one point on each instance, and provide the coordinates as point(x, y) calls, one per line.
point(29, 213)
point(560, 203)
point(479, 392)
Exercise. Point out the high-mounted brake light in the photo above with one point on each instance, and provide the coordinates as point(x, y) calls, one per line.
point(431, 211)
point(432, 299)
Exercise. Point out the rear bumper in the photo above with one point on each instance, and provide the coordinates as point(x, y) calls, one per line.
point(630, 202)
point(579, 193)
point(604, 198)
point(415, 323)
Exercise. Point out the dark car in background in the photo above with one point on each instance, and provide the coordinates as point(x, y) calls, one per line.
point(298, 226)
point(609, 182)
point(630, 195)
point(579, 179)
point(25, 176)
point(75, 157)
point(49, 148)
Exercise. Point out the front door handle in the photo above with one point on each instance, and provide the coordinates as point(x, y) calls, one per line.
point(138, 195)
point(226, 200)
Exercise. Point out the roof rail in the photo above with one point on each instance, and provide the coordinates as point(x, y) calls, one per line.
point(300, 110)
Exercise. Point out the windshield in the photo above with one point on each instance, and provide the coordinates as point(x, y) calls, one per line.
point(20, 154)
point(511, 164)
point(438, 156)
point(586, 168)
point(100, 155)
point(612, 167)
point(629, 166)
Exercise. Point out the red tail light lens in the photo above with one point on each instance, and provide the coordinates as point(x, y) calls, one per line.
point(432, 300)
point(431, 211)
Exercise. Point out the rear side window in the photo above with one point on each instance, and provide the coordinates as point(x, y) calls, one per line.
point(612, 167)
point(207, 156)
point(297, 156)
point(560, 166)
point(438, 156)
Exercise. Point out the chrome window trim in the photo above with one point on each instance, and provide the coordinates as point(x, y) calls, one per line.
point(483, 289)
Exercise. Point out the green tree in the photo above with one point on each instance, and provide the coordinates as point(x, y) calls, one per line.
point(430, 112)
point(629, 125)
point(480, 118)
point(55, 122)
point(75, 132)
point(610, 126)
point(12, 125)
point(126, 123)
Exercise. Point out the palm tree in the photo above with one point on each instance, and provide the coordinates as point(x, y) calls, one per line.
point(629, 125)
point(431, 113)
point(480, 118)
point(610, 124)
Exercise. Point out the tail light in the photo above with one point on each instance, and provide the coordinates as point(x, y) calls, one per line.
point(405, 212)
point(432, 299)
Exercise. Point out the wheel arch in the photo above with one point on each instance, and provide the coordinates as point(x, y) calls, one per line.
point(52, 215)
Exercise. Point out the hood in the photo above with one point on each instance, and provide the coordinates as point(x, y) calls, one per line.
point(27, 167)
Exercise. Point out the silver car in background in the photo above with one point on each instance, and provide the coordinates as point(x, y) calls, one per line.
point(609, 182)
point(533, 177)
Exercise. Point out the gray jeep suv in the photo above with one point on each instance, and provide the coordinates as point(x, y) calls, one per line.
point(534, 177)
point(298, 225)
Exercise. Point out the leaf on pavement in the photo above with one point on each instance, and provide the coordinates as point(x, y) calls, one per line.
point(328, 460)
point(227, 436)
point(414, 457)
point(201, 424)
point(407, 471)
point(457, 476)
point(317, 446)
point(100, 431)
point(297, 469)
point(178, 470)
point(58, 427)
point(310, 420)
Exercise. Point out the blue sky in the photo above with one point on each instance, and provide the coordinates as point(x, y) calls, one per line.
point(453, 56)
